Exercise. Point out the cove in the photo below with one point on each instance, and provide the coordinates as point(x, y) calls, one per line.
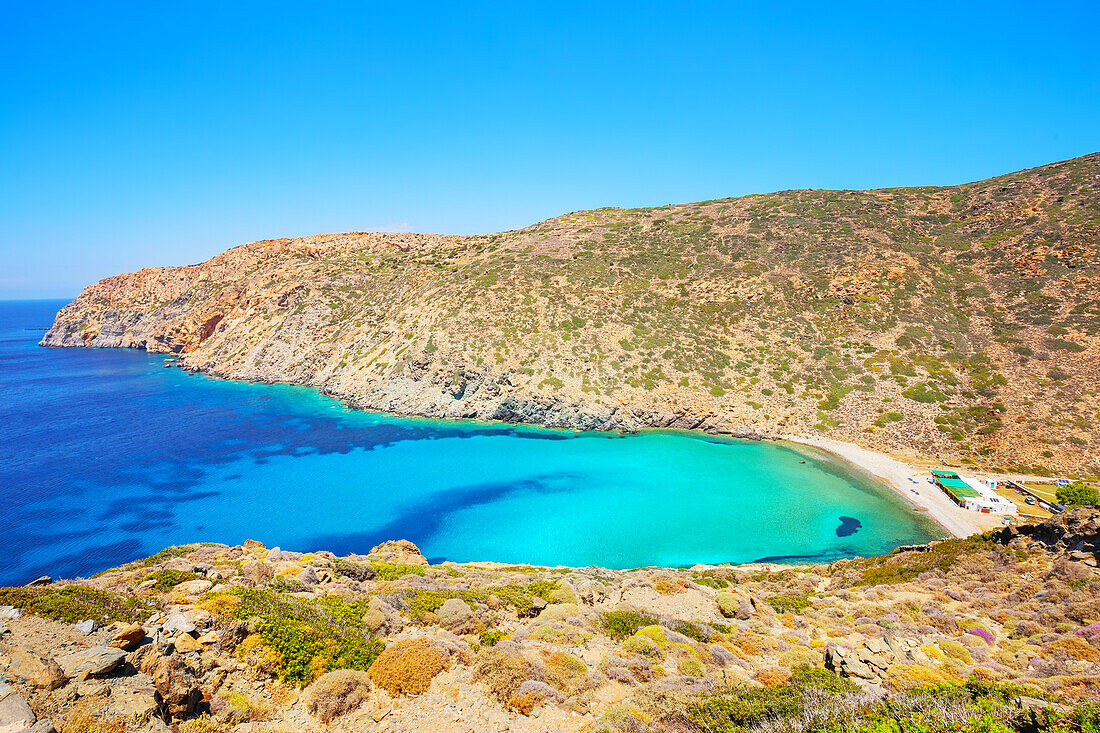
point(106, 456)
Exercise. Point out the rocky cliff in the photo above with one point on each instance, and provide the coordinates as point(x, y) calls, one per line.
point(959, 321)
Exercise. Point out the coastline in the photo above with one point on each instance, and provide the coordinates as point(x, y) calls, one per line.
point(900, 476)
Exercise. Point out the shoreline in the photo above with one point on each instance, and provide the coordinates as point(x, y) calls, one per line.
point(909, 481)
point(893, 472)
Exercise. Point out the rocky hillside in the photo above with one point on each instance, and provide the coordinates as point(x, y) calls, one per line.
point(993, 633)
point(961, 321)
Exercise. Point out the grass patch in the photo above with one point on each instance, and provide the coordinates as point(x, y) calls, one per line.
point(166, 580)
point(75, 603)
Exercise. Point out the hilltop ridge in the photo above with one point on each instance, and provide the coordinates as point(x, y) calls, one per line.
point(960, 322)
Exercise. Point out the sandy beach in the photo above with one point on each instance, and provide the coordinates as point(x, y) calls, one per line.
point(910, 482)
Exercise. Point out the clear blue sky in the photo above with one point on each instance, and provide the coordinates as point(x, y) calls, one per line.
point(148, 133)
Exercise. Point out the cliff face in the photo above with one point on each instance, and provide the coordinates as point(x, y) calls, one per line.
point(961, 321)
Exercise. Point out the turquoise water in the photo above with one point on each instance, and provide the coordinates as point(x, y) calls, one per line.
point(106, 456)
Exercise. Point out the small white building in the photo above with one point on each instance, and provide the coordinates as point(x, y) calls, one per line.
point(988, 501)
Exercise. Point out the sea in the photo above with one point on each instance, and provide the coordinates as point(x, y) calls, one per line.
point(107, 455)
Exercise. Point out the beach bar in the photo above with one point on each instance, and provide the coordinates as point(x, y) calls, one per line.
point(973, 494)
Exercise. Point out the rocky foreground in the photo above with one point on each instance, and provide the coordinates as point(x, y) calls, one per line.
point(998, 632)
point(959, 321)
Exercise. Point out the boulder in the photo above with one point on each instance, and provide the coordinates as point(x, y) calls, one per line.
point(257, 571)
point(138, 704)
point(721, 655)
point(178, 623)
point(401, 552)
point(278, 555)
point(192, 587)
point(86, 627)
point(41, 672)
point(456, 616)
point(37, 582)
point(97, 660)
point(185, 643)
point(42, 726)
point(15, 713)
point(308, 577)
point(127, 637)
point(10, 612)
point(181, 564)
point(199, 616)
point(177, 687)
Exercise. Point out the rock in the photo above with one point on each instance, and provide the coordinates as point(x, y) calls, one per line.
point(86, 627)
point(127, 637)
point(538, 603)
point(308, 576)
point(277, 555)
point(15, 713)
point(185, 643)
point(41, 672)
point(139, 705)
point(253, 545)
point(199, 616)
point(178, 623)
point(94, 661)
point(180, 563)
point(401, 552)
point(10, 612)
point(177, 687)
point(42, 726)
point(192, 587)
point(456, 616)
point(44, 580)
point(722, 655)
point(257, 571)
point(92, 688)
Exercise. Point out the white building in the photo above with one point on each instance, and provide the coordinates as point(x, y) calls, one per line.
point(988, 501)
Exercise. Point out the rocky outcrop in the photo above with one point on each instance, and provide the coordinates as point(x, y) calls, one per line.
point(1074, 533)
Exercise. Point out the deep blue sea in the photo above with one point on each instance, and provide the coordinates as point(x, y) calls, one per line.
point(106, 456)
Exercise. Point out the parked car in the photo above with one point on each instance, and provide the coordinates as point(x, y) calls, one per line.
point(1029, 500)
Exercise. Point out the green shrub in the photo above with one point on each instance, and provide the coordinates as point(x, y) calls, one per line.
point(166, 580)
point(74, 603)
point(393, 571)
point(692, 667)
point(621, 624)
point(643, 645)
point(310, 637)
point(519, 597)
point(789, 604)
point(490, 638)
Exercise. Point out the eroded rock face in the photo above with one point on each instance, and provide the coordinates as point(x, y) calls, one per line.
point(1074, 532)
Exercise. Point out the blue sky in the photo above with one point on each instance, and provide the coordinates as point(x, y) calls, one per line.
point(138, 134)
